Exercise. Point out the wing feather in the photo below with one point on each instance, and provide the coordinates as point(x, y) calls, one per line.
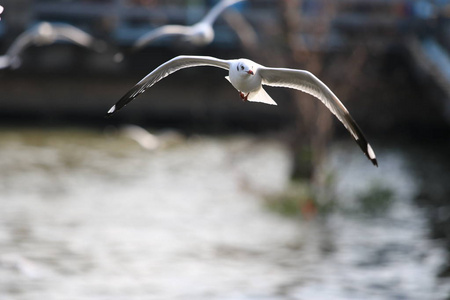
point(72, 34)
point(164, 70)
point(212, 15)
point(159, 32)
point(5, 61)
point(308, 83)
point(23, 41)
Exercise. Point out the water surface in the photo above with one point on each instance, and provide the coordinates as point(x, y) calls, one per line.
point(89, 215)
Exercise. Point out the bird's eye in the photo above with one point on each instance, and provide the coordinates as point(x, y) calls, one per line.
point(242, 67)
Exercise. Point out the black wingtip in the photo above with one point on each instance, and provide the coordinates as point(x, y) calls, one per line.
point(371, 155)
point(111, 111)
point(374, 161)
point(368, 151)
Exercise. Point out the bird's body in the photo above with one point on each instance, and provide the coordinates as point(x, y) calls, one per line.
point(201, 34)
point(198, 34)
point(240, 80)
point(45, 33)
point(248, 77)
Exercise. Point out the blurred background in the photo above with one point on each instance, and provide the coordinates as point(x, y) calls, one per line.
point(190, 193)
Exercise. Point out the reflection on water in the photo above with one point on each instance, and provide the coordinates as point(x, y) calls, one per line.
point(90, 216)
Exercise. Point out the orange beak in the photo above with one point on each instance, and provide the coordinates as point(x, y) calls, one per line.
point(250, 72)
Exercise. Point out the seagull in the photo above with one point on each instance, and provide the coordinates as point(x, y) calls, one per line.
point(141, 136)
point(248, 77)
point(1, 10)
point(199, 34)
point(45, 33)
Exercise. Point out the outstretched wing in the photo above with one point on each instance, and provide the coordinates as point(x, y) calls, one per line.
point(308, 83)
point(23, 41)
point(159, 32)
point(5, 62)
point(164, 70)
point(212, 15)
point(73, 34)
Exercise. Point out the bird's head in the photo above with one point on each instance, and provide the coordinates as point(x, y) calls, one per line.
point(245, 66)
point(45, 33)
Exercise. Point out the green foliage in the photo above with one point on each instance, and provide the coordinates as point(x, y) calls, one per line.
point(291, 201)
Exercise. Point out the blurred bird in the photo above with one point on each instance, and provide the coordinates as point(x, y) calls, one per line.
point(243, 29)
point(247, 77)
point(45, 33)
point(1, 10)
point(141, 136)
point(199, 34)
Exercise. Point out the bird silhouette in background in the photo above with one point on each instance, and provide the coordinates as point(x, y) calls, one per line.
point(244, 30)
point(45, 33)
point(141, 136)
point(248, 77)
point(199, 34)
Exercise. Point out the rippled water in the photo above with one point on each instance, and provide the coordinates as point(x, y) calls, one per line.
point(87, 215)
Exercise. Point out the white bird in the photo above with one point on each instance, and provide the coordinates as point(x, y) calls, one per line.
point(141, 136)
point(248, 77)
point(199, 34)
point(45, 33)
point(1, 10)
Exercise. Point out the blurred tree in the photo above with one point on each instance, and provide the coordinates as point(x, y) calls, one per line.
point(301, 39)
point(313, 126)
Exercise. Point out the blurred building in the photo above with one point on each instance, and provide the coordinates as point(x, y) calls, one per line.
point(317, 27)
point(322, 25)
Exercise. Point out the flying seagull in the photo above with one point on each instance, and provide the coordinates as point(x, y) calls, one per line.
point(199, 34)
point(248, 77)
point(45, 33)
point(141, 136)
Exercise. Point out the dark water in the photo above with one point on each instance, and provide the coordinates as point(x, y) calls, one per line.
point(89, 215)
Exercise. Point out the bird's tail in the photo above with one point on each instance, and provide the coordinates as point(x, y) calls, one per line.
point(261, 96)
